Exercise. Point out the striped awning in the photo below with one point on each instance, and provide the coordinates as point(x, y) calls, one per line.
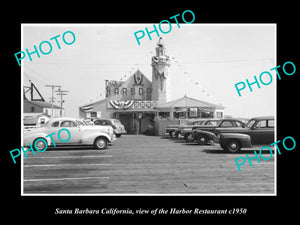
point(87, 108)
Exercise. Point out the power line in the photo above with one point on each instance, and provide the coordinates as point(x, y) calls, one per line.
point(61, 93)
point(52, 99)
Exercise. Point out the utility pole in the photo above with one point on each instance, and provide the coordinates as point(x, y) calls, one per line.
point(61, 93)
point(52, 99)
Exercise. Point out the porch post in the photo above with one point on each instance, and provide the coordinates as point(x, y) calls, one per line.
point(133, 124)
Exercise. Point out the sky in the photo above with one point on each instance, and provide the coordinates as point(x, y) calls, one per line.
point(207, 60)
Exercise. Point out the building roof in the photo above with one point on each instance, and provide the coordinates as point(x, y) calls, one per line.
point(42, 104)
point(263, 118)
point(186, 102)
point(33, 119)
point(89, 107)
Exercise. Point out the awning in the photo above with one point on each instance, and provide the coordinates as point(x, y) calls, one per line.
point(206, 110)
point(181, 110)
point(137, 110)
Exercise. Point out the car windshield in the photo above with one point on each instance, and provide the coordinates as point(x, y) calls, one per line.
point(212, 122)
point(117, 121)
point(250, 123)
point(42, 125)
point(81, 123)
point(190, 123)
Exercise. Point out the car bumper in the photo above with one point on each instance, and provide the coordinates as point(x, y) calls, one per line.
point(113, 138)
point(189, 138)
point(120, 131)
point(180, 136)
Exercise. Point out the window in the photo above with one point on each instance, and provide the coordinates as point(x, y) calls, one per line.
point(32, 108)
point(42, 121)
point(206, 115)
point(93, 114)
point(164, 114)
point(239, 124)
point(116, 91)
point(68, 124)
point(132, 91)
point(80, 123)
point(250, 123)
point(101, 122)
point(107, 91)
point(211, 122)
point(199, 123)
point(124, 91)
point(271, 123)
point(219, 114)
point(193, 112)
point(262, 124)
point(226, 124)
point(55, 124)
point(116, 121)
point(181, 115)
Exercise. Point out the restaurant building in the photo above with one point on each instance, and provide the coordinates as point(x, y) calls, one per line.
point(141, 104)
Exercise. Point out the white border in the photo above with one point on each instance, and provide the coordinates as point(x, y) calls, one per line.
point(147, 194)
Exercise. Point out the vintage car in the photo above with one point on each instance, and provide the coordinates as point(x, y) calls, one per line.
point(173, 130)
point(118, 127)
point(185, 131)
point(260, 130)
point(205, 134)
point(81, 134)
point(233, 142)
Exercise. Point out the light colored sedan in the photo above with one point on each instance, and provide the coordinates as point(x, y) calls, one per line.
point(118, 127)
point(69, 131)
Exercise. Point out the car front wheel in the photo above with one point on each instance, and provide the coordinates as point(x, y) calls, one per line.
point(172, 134)
point(233, 146)
point(100, 143)
point(202, 139)
point(40, 144)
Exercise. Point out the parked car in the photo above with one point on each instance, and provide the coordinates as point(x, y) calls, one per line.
point(233, 142)
point(185, 131)
point(259, 129)
point(205, 134)
point(172, 130)
point(81, 134)
point(118, 127)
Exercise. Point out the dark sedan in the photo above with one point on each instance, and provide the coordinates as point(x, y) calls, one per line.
point(204, 134)
point(260, 130)
point(174, 130)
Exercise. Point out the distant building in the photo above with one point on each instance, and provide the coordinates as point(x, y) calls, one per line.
point(37, 111)
point(38, 107)
point(139, 103)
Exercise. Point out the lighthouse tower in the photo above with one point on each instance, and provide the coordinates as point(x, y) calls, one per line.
point(161, 86)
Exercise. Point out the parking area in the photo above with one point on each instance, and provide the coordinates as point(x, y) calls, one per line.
point(138, 164)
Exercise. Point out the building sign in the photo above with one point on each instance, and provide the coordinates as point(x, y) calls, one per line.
point(138, 78)
point(193, 112)
point(144, 104)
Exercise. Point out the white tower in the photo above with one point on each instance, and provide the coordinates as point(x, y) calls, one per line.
point(161, 85)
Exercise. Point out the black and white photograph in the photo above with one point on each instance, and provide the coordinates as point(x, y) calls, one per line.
point(149, 111)
point(178, 114)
